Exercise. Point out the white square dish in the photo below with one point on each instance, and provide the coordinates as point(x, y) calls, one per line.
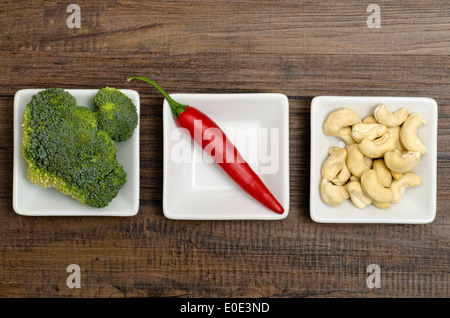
point(32, 200)
point(418, 204)
point(195, 188)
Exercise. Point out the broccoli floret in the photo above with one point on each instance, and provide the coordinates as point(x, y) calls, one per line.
point(64, 149)
point(116, 114)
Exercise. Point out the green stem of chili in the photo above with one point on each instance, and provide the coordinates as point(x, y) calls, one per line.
point(176, 107)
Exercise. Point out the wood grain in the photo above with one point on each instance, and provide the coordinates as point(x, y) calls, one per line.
point(300, 48)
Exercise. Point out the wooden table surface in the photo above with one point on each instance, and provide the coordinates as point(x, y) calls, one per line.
point(299, 48)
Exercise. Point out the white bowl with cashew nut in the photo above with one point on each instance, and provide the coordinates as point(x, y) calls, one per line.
point(373, 159)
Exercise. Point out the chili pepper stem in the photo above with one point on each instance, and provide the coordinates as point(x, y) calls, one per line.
point(176, 107)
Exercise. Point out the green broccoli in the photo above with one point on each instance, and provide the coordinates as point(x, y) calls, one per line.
point(116, 114)
point(64, 149)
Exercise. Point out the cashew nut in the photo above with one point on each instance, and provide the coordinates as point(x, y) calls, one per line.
point(408, 133)
point(382, 205)
point(331, 149)
point(334, 163)
point(370, 131)
point(357, 195)
point(401, 162)
point(383, 173)
point(395, 132)
point(346, 135)
point(373, 188)
point(355, 161)
point(386, 117)
point(354, 178)
point(398, 187)
point(396, 175)
point(332, 194)
point(368, 161)
point(339, 119)
point(378, 147)
point(344, 174)
point(369, 120)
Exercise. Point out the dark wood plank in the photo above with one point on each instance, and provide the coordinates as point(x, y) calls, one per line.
point(235, 27)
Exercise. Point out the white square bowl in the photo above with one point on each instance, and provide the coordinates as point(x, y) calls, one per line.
point(195, 188)
point(418, 204)
point(32, 200)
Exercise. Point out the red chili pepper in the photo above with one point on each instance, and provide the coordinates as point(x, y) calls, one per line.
point(225, 153)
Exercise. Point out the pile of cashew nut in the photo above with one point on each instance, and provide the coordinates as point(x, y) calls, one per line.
point(376, 166)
